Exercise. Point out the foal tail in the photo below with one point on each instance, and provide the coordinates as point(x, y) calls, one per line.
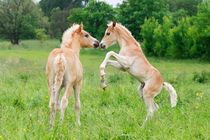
point(59, 66)
point(172, 92)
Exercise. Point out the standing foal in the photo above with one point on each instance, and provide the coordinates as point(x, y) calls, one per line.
point(64, 69)
point(132, 60)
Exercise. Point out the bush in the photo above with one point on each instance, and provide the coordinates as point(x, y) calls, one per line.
point(147, 33)
point(40, 35)
point(201, 32)
point(201, 77)
point(162, 37)
point(181, 40)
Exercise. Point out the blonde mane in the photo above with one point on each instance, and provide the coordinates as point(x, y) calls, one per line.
point(127, 34)
point(67, 36)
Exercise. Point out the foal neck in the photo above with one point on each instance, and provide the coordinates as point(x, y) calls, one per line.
point(125, 39)
point(74, 45)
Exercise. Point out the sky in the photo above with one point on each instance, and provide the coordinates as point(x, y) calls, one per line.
point(111, 2)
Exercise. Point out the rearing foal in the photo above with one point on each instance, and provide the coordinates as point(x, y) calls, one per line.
point(132, 60)
point(64, 69)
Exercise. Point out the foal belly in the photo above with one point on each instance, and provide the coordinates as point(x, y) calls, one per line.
point(138, 74)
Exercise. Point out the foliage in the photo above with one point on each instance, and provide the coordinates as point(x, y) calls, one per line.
point(132, 13)
point(202, 77)
point(181, 40)
point(59, 22)
point(147, 33)
point(162, 37)
point(19, 18)
point(41, 35)
point(188, 37)
point(201, 32)
point(95, 17)
point(190, 6)
point(178, 15)
point(48, 5)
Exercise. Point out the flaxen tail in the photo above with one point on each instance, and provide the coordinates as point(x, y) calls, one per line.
point(172, 92)
point(59, 67)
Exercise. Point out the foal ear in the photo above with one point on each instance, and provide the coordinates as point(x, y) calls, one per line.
point(114, 23)
point(80, 28)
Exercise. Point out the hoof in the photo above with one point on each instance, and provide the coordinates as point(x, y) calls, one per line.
point(104, 88)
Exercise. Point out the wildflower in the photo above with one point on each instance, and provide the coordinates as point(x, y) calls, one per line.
point(51, 136)
point(196, 107)
point(67, 118)
point(0, 137)
point(24, 129)
point(38, 121)
point(197, 94)
point(30, 115)
point(47, 97)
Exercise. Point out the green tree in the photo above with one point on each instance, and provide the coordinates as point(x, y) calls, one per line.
point(132, 13)
point(162, 37)
point(59, 22)
point(19, 18)
point(48, 5)
point(148, 29)
point(201, 32)
point(95, 17)
point(181, 40)
point(190, 6)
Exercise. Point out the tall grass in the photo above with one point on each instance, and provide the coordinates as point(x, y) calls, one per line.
point(114, 114)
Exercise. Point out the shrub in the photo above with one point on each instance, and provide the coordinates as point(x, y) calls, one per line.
point(147, 33)
point(181, 40)
point(40, 35)
point(201, 32)
point(202, 77)
point(162, 37)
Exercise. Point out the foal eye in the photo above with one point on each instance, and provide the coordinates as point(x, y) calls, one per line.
point(108, 33)
point(87, 35)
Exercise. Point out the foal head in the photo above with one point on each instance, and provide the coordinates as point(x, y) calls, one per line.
point(80, 36)
point(110, 36)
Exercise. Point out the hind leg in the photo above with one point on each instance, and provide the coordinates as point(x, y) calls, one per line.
point(140, 89)
point(77, 90)
point(52, 109)
point(64, 101)
point(57, 101)
point(151, 89)
point(150, 108)
point(52, 97)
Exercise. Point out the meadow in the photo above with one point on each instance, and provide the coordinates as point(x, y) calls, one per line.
point(116, 113)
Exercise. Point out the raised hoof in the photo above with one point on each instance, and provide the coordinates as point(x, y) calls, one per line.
point(104, 88)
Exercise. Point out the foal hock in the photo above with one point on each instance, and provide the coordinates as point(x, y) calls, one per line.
point(64, 70)
point(132, 60)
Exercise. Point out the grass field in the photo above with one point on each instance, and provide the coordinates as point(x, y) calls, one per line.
point(117, 113)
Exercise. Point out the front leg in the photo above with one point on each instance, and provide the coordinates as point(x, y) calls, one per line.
point(121, 63)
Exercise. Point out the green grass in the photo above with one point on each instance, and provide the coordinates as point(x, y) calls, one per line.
point(117, 113)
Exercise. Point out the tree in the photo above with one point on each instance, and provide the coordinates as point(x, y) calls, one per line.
point(148, 29)
point(190, 6)
point(95, 17)
point(59, 22)
point(18, 19)
point(200, 32)
point(48, 5)
point(132, 13)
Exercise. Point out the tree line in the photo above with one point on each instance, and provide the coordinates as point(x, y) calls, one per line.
point(168, 28)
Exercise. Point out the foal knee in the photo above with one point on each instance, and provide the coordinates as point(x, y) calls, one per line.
point(64, 103)
point(77, 104)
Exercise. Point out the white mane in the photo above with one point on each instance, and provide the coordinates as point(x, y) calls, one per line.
point(67, 35)
point(126, 30)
